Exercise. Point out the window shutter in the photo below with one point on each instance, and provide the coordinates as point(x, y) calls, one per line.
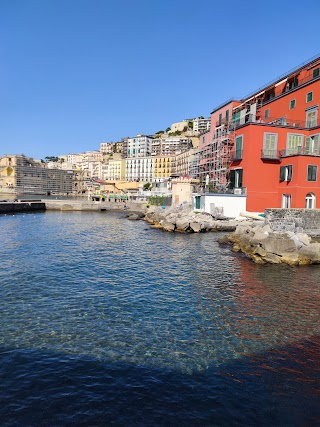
point(282, 173)
point(289, 175)
point(240, 173)
point(232, 179)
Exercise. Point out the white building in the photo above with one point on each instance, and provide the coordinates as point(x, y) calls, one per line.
point(201, 125)
point(169, 146)
point(139, 146)
point(139, 169)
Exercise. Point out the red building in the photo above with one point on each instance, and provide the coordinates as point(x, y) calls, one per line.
point(267, 145)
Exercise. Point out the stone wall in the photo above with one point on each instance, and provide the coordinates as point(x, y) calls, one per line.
point(296, 220)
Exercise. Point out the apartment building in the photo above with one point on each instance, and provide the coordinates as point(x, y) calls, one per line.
point(183, 163)
point(201, 124)
point(23, 175)
point(111, 147)
point(139, 169)
point(139, 146)
point(169, 146)
point(163, 167)
point(267, 145)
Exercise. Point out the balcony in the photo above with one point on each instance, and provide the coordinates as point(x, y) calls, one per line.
point(299, 151)
point(236, 155)
point(276, 121)
point(270, 154)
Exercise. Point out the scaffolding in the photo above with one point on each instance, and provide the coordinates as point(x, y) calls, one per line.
point(215, 158)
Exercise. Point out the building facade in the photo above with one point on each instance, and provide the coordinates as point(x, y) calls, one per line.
point(23, 175)
point(139, 146)
point(267, 145)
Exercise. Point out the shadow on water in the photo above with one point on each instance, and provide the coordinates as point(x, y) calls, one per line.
point(279, 387)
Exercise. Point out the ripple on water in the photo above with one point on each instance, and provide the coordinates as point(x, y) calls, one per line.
point(93, 287)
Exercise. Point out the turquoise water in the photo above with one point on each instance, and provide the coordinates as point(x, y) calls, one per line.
point(106, 321)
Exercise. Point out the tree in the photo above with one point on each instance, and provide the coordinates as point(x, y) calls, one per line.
point(52, 158)
point(168, 129)
point(147, 186)
point(159, 132)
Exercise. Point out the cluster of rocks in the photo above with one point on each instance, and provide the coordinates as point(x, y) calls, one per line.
point(263, 245)
point(183, 219)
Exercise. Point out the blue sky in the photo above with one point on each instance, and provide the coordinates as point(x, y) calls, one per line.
point(75, 73)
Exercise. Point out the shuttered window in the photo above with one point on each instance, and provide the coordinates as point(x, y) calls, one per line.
point(286, 173)
point(312, 173)
point(312, 145)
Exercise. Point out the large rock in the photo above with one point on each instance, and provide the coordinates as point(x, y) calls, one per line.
point(195, 226)
point(168, 226)
point(278, 244)
point(182, 224)
point(310, 254)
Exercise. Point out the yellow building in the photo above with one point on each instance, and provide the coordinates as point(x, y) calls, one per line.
point(163, 166)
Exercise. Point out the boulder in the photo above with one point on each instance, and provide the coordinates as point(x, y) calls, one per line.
point(278, 244)
point(134, 217)
point(310, 254)
point(272, 258)
point(304, 238)
point(182, 224)
point(195, 227)
point(168, 226)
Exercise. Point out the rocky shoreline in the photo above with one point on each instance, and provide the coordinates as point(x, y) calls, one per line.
point(182, 219)
point(263, 245)
point(249, 236)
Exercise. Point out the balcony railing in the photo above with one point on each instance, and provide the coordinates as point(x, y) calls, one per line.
point(276, 121)
point(299, 151)
point(270, 154)
point(236, 155)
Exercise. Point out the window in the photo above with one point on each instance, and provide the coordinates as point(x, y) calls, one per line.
point(292, 104)
point(227, 115)
point(238, 148)
point(286, 173)
point(311, 117)
point(267, 113)
point(220, 119)
point(286, 201)
point(316, 73)
point(312, 145)
point(294, 143)
point(236, 117)
point(309, 97)
point(310, 201)
point(270, 144)
point(312, 173)
point(236, 178)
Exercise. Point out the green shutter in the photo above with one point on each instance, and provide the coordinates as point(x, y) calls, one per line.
point(198, 200)
point(232, 179)
point(282, 173)
point(240, 174)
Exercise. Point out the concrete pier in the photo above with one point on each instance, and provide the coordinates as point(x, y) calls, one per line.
point(21, 206)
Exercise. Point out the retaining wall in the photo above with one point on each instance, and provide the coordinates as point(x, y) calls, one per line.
point(296, 220)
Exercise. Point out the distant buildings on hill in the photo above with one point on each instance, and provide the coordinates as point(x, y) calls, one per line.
point(265, 147)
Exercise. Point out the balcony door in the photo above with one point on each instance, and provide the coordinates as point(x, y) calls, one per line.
point(312, 145)
point(311, 117)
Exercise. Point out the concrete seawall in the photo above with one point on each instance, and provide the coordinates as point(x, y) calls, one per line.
point(11, 207)
point(87, 205)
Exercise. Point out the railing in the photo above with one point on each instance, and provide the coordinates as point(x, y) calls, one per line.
point(276, 121)
point(236, 155)
point(299, 151)
point(270, 154)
